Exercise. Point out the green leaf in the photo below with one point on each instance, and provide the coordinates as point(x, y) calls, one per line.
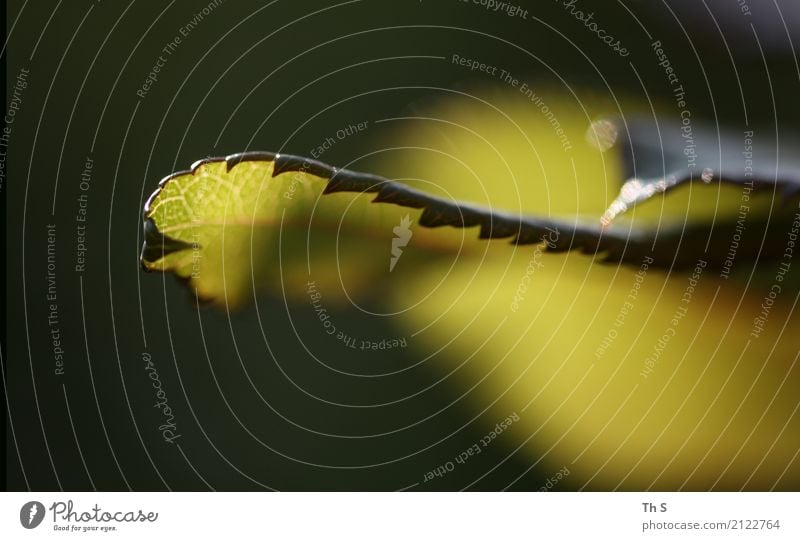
point(221, 226)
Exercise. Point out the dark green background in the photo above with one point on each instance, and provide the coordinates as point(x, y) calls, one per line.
point(226, 83)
